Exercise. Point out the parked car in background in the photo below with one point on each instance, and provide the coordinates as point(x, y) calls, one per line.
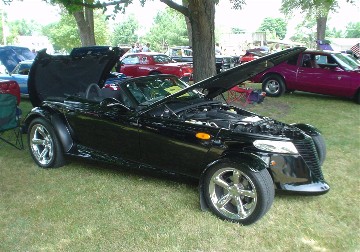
point(223, 63)
point(10, 56)
point(322, 72)
point(160, 123)
point(180, 53)
point(184, 54)
point(20, 75)
point(251, 54)
point(152, 63)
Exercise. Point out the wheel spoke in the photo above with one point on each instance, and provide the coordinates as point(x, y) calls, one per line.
point(240, 207)
point(224, 200)
point(247, 193)
point(44, 153)
point(37, 141)
point(42, 132)
point(220, 182)
point(236, 177)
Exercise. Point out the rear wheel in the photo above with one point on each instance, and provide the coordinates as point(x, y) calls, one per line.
point(234, 193)
point(44, 145)
point(273, 85)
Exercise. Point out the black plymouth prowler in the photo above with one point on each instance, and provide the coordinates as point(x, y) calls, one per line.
point(158, 122)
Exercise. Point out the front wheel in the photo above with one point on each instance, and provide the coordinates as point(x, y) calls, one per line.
point(44, 145)
point(273, 85)
point(234, 193)
point(320, 147)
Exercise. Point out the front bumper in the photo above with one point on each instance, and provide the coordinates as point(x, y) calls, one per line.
point(293, 174)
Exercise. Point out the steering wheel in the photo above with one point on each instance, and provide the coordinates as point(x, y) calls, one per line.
point(92, 86)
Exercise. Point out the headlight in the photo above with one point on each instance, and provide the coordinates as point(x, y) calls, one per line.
point(276, 146)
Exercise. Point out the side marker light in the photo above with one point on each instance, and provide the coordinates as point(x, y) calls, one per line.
point(203, 136)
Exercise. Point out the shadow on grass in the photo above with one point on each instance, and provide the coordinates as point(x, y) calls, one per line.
point(99, 167)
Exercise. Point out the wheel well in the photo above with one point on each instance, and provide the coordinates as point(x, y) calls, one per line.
point(59, 125)
point(275, 74)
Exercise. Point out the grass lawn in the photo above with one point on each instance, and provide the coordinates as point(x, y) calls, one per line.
point(86, 206)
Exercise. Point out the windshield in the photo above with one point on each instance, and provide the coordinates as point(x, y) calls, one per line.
point(162, 58)
point(147, 91)
point(346, 62)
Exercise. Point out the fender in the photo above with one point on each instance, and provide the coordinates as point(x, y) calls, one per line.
point(307, 128)
point(248, 160)
point(58, 122)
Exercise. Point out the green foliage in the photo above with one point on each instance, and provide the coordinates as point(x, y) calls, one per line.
point(274, 25)
point(64, 35)
point(334, 33)
point(353, 30)
point(125, 32)
point(306, 33)
point(313, 8)
point(18, 28)
point(170, 27)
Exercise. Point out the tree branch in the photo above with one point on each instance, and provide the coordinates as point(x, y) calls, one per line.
point(175, 6)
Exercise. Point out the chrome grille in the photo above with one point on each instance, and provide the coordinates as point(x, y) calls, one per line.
point(308, 151)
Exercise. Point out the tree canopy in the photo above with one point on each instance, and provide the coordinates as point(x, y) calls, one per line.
point(164, 32)
point(274, 25)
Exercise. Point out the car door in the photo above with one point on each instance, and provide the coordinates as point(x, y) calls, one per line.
point(129, 66)
point(106, 129)
point(318, 78)
point(172, 145)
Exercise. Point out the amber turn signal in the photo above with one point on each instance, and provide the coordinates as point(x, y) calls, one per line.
point(203, 136)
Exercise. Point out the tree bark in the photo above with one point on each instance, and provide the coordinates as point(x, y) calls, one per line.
point(320, 29)
point(85, 23)
point(185, 3)
point(202, 16)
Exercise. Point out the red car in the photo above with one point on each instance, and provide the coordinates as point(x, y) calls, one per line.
point(322, 72)
point(151, 63)
point(251, 54)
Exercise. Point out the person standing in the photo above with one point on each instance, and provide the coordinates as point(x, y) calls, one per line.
point(217, 49)
point(146, 48)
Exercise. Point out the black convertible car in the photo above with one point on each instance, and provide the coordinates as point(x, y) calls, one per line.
point(158, 122)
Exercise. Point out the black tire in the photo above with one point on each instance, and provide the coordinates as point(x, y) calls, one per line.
point(235, 193)
point(273, 85)
point(320, 147)
point(44, 145)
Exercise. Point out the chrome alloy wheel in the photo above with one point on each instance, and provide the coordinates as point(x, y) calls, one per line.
point(272, 87)
point(232, 193)
point(41, 144)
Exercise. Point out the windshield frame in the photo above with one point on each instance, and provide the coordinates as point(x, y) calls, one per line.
point(150, 90)
point(345, 62)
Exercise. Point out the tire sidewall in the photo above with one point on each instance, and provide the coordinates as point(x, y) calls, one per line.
point(277, 79)
point(265, 195)
point(57, 158)
point(320, 146)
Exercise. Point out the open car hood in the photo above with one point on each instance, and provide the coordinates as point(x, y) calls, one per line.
point(62, 75)
point(224, 81)
point(10, 56)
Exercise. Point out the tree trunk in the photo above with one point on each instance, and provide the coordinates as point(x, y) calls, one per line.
point(320, 28)
point(185, 3)
point(202, 16)
point(85, 24)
